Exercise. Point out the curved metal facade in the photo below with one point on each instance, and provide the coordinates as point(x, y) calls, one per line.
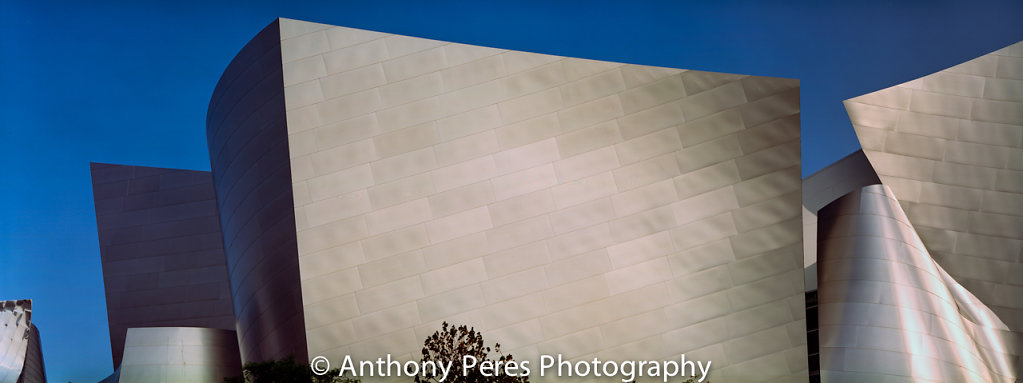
point(249, 157)
point(821, 188)
point(34, 370)
point(950, 146)
point(21, 353)
point(161, 250)
point(179, 354)
point(559, 205)
point(889, 312)
point(14, 338)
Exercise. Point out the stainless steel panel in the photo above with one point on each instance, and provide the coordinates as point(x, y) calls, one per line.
point(889, 311)
point(247, 136)
point(691, 179)
point(34, 370)
point(945, 144)
point(16, 317)
point(179, 354)
point(161, 250)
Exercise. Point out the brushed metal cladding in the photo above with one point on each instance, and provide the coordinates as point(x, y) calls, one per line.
point(34, 370)
point(950, 146)
point(179, 354)
point(889, 312)
point(161, 250)
point(16, 316)
point(249, 157)
point(845, 175)
point(559, 205)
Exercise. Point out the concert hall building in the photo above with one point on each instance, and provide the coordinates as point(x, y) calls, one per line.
point(366, 187)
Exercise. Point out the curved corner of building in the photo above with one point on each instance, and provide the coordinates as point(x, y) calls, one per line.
point(248, 145)
point(34, 370)
point(178, 354)
point(889, 312)
point(949, 146)
point(232, 84)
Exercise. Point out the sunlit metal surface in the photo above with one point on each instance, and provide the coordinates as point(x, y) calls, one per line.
point(558, 205)
point(889, 312)
point(21, 353)
point(179, 354)
point(950, 147)
point(15, 316)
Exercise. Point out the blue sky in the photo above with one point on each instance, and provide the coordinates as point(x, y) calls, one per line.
point(129, 82)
